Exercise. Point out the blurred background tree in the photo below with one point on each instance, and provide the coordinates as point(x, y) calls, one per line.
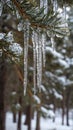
point(20, 21)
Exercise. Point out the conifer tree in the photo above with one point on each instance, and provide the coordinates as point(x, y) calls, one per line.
point(30, 23)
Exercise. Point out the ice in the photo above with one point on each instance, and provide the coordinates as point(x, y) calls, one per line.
point(55, 5)
point(38, 58)
point(53, 43)
point(26, 42)
point(1, 8)
point(44, 49)
point(34, 62)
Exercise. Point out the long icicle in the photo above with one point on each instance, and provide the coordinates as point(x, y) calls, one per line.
point(37, 62)
point(37, 52)
point(34, 60)
point(53, 43)
point(43, 49)
point(40, 62)
point(26, 41)
point(37, 58)
point(1, 8)
point(55, 4)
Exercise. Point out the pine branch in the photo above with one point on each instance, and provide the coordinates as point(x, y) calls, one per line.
point(26, 16)
point(37, 18)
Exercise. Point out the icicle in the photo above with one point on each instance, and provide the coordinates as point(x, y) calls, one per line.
point(37, 60)
point(40, 62)
point(53, 43)
point(41, 3)
point(26, 41)
point(65, 26)
point(34, 61)
point(37, 57)
point(55, 5)
point(65, 17)
point(37, 52)
point(43, 49)
point(1, 8)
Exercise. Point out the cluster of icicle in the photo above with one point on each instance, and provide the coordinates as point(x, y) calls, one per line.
point(38, 41)
point(39, 58)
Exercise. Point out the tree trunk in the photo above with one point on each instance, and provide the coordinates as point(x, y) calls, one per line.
point(28, 117)
point(2, 93)
point(63, 107)
point(67, 105)
point(19, 120)
point(19, 114)
point(67, 115)
point(63, 115)
point(38, 121)
point(54, 109)
point(14, 117)
point(32, 116)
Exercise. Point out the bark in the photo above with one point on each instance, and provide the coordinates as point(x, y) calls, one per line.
point(63, 115)
point(38, 121)
point(67, 105)
point(14, 117)
point(19, 121)
point(67, 115)
point(32, 113)
point(19, 114)
point(2, 93)
point(63, 107)
point(28, 117)
point(54, 109)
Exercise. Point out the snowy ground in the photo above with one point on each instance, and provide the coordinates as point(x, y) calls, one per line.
point(46, 124)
